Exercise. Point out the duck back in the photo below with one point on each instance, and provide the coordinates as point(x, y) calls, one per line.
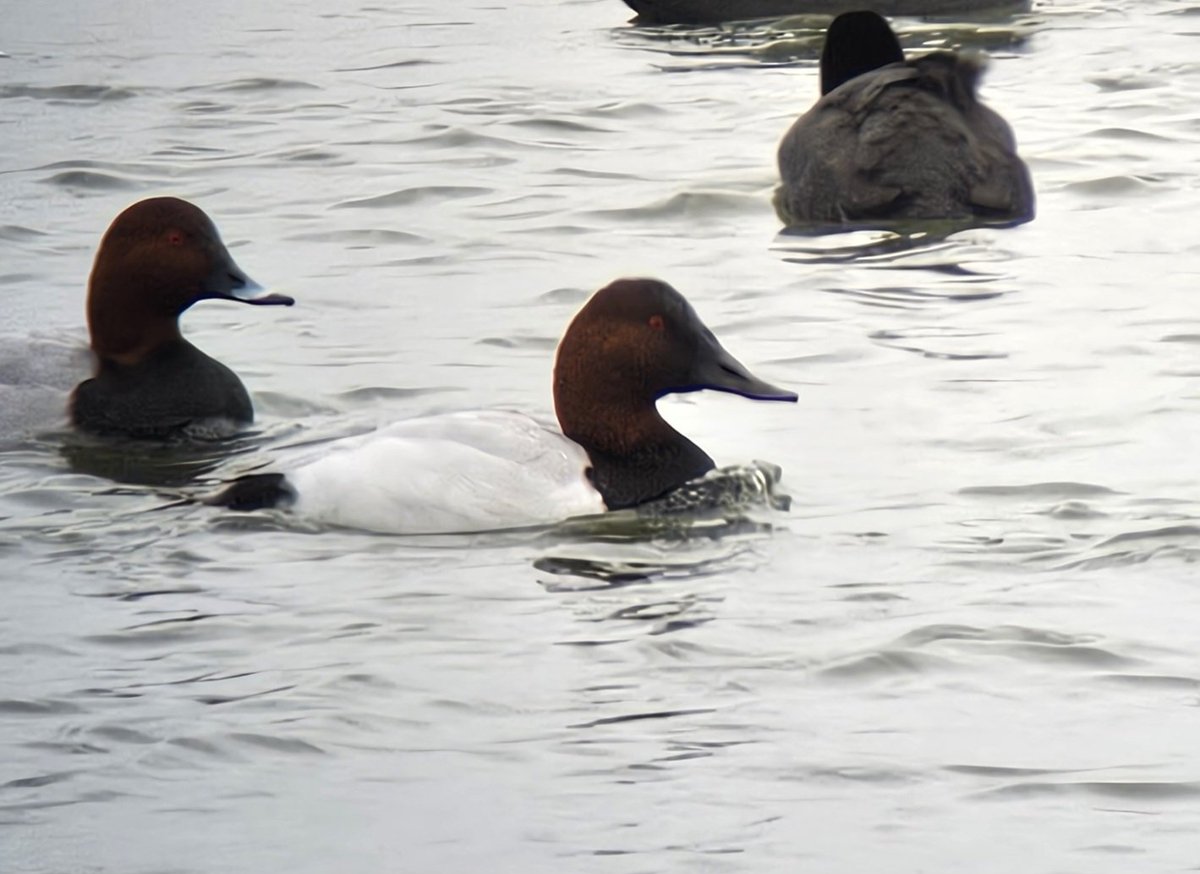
point(456, 472)
point(910, 140)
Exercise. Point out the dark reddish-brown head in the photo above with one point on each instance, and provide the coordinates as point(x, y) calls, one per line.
point(633, 342)
point(157, 258)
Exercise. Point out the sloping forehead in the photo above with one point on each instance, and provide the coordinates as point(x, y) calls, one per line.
point(157, 214)
point(639, 298)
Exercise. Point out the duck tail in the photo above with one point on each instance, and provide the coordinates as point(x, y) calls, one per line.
point(255, 491)
point(954, 75)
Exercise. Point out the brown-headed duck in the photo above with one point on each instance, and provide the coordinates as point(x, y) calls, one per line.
point(894, 139)
point(158, 257)
point(633, 342)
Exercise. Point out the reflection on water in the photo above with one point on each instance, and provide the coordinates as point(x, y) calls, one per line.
point(799, 38)
point(975, 618)
point(898, 244)
point(174, 463)
point(695, 531)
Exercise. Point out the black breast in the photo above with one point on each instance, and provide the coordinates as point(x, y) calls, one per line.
point(178, 391)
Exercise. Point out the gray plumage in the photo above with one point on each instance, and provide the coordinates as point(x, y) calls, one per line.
point(907, 140)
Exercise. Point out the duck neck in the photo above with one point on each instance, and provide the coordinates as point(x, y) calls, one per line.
point(125, 336)
point(636, 456)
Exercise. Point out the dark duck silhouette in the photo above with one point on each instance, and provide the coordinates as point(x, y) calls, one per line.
point(897, 139)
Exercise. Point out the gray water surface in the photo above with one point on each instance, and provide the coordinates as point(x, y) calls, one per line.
point(970, 645)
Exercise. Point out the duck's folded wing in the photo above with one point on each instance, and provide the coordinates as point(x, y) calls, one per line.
point(452, 473)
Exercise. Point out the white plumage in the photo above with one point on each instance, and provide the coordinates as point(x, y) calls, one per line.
point(457, 472)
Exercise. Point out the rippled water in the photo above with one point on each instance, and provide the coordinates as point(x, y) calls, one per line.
point(971, 642)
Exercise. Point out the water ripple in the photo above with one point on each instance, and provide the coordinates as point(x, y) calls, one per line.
point(86, 180)
point(424, 194)
point(639, 717)
point(67, 93)
point(1132, 791)
point(917, 340)
point(986, 582)
point(690, 205)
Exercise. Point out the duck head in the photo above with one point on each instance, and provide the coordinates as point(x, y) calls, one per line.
point(857, 43)
point(158, 257)
point(633, 342)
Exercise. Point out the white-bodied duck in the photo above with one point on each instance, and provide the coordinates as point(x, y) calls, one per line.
point(633, 342)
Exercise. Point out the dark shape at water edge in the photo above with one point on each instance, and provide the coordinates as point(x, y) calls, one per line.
point(171, 463)
point(716, 11)
point(255, 491)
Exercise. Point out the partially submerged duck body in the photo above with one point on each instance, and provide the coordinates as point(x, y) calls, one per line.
point(635, 341)
point(475, 470)
point(892, 139)
point(158, 257)
point(716, 11)
point(174, 391)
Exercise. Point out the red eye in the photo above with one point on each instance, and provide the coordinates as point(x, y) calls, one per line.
point(656, 322)
point(175, 238)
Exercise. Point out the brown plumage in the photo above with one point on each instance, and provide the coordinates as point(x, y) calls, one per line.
point(157, 258)
point(633, 342)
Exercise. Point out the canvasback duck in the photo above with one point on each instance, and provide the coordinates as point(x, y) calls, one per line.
point(894, 139)
point(158, 257)
point(633, 342)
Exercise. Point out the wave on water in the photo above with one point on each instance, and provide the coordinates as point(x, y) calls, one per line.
point(701, 529)
point(66, 93)
point(410, 196)
point(799, 39)
point(1099, 528)
point(697, 206)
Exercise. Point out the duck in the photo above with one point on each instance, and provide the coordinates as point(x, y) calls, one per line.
point(893, 139)
point(633, 342)
point(160, 256)
point(716, 11)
